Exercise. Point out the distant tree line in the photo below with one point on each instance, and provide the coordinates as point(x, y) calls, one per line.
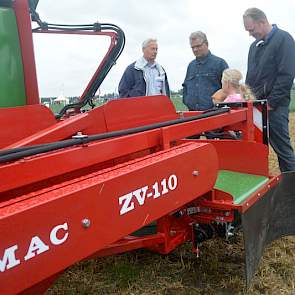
point(50, 100)
point(114, 95)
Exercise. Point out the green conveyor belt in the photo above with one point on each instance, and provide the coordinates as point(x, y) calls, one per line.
point(239, 185)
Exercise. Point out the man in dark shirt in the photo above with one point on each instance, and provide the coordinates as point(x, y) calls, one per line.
point(270, 74)
point(203, 76)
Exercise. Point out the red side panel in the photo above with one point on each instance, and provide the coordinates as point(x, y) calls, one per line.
point(20, 122)
point(115, 115)
point(133, 112)
point(80, 217)
point(242, 156)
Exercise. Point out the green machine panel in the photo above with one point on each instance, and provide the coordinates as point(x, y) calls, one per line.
point(239, 185)
point(12, 87)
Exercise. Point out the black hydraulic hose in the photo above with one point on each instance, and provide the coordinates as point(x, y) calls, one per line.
point(15, 154)
point(96, 27)
point(114, 55)
point(106, 67)
point(22, 148)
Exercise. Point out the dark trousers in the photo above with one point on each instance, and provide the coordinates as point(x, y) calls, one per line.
point(279, 138)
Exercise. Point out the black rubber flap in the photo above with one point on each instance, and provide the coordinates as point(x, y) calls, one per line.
point(270, 218)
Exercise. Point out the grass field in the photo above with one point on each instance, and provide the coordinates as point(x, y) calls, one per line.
point(177, 102)
point(219, 270)
point(292, 103)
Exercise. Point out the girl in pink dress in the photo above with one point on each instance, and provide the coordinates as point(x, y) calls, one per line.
point(232, 87)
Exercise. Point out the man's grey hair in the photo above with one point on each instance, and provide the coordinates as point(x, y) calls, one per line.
point(146, 42)
point(255, 14)
point(198, 35)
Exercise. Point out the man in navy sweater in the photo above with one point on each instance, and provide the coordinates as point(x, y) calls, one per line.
point(270, 74)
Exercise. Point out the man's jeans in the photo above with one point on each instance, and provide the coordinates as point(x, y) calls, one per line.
point(279, 137)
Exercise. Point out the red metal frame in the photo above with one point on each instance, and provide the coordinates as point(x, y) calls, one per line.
point(76, 197)
point(83, 201)
point(99, 152)
point(23, 20)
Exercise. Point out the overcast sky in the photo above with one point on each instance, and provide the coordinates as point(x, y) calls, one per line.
point(66, 63)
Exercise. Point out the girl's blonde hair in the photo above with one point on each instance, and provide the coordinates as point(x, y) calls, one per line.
point(234, 77)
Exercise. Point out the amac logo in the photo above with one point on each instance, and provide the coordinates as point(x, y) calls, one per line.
point(36, 247)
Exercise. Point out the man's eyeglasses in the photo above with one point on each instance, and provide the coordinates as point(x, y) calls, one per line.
point(198, 46)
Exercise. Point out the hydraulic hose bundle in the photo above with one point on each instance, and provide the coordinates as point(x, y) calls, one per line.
point(18, 153)
point(107, 62)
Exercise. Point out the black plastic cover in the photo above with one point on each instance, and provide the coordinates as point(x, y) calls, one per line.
point(270, 218)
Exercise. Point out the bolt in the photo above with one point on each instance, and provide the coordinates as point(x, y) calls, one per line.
point(227, 213)
point(79, 135)
point(172, 233)
point(195, 173)
point(219, 218)
point(195, 225)
point(247, 204)
point(86, 223)
point(259, 194)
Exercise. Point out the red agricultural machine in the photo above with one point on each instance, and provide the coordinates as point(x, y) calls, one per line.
point(125, 175)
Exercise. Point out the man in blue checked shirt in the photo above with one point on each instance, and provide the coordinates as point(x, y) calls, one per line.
point(203, 76)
